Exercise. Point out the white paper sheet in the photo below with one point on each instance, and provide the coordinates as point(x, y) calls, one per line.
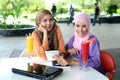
point(50, 54)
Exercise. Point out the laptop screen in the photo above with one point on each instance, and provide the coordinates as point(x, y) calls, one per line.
point(43, 72)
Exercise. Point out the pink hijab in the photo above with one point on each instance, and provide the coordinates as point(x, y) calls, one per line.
point(77, 39)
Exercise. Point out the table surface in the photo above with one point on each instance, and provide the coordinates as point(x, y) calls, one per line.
point(73, 73)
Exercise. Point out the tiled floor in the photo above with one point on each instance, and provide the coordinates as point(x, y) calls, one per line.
point(108, 35)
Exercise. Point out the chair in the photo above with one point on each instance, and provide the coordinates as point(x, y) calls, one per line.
point(108, 63)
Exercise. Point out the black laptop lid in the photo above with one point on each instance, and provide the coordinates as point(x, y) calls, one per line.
point(48, 71)
point(43, 73)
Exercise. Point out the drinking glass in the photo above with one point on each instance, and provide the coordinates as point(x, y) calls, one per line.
point(85, 51)
point(29, 43)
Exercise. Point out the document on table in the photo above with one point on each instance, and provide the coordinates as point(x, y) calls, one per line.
point(50, 54)
point(38, 60)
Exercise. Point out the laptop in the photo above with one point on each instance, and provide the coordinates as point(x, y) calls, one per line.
point(45, 72)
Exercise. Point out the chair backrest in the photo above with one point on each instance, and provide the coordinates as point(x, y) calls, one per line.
point(108, 63)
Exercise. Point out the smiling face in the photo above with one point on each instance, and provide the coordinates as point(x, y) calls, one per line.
point(44, 19)
point(82, 24)
point(47, 22)
point(81, 28)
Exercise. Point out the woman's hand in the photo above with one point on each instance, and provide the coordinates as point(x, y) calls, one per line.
point(42, 29)
point(61, 61)
point(73, 51)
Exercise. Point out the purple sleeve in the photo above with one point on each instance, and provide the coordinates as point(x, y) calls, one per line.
point(94, 55)
point(69, 45)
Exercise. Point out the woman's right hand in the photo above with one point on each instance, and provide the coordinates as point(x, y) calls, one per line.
point(73, 51)
point(42, 29)
point(61, 61)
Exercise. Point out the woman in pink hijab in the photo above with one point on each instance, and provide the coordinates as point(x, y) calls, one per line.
point(82, 33)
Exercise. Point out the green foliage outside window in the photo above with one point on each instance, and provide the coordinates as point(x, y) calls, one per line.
point(112, 8)
point(10, 8)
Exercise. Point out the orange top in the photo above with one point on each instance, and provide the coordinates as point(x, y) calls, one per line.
point(39, 49)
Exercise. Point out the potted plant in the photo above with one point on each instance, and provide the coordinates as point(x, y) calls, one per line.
point(112, 8)
point(15, 28)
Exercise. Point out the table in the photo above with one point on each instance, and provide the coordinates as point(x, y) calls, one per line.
point(73, 73)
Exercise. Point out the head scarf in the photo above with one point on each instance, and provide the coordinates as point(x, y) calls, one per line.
point(77, 39)
point(83, 16)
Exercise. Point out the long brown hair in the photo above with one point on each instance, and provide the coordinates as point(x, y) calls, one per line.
point(52, 35)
